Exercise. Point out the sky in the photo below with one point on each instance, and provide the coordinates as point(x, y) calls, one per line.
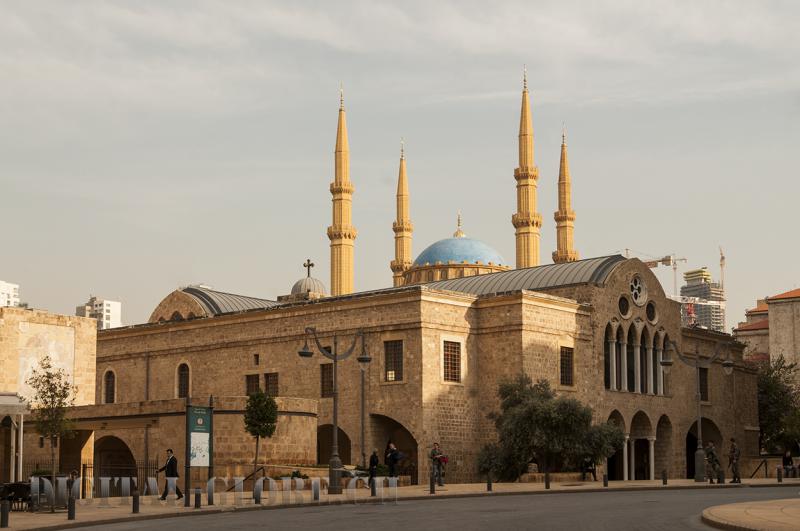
point(153, 144)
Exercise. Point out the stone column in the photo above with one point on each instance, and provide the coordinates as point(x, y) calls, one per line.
point(652, 449)
point(648, 356)
point(623, 358)
point(659, 353)
point(625, 459)
point(612, 363)
point(633, 459)
point(637, 370)
point(20, 431)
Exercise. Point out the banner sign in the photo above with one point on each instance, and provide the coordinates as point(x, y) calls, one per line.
point(199, 427)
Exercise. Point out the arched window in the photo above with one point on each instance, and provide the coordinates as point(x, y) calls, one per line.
point(183, 380)
point(607, 357)
point(176, 316)
point(109, 384)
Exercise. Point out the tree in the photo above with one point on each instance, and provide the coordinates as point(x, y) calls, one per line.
point(778, 403)
point(534, 424)
point(260, 419)
point(53, 394)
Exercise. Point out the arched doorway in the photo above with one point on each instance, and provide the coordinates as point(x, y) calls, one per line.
point(710, 433)
point(386, 429)
point(615, 462)
point(113, 458)
point(641, 430)
point(325, 444)
point(663, 449)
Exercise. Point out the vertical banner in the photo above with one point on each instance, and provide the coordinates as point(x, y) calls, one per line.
point(200, 436)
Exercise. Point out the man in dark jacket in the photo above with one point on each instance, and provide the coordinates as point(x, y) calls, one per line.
point(373, 466)
point(392, 458)
point(170, 470)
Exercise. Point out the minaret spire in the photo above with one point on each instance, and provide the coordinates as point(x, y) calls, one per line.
point(526, 221)
point(564, 216)
point(402, 227)
point(341, 233)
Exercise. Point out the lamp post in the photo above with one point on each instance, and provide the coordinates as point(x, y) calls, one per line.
point(727, 366)
point(335, 465)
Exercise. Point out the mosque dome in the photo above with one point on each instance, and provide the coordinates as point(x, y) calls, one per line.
point(459, 249)
point(308, 285)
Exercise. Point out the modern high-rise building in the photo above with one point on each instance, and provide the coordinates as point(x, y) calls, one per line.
point(9, 294)
point(107, 313)
point(703, 301)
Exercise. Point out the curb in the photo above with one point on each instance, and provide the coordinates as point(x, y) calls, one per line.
point(209, 511)
point(712, 521)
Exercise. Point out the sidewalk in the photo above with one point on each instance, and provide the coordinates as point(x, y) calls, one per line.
point(119, 510)
point(772, 515)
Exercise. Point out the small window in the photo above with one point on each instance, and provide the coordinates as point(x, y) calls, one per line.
point(183, 380)
point(252, 384)
point(393, 354)
point(624, 306)
point(703, 384)
point(650, 310)
point(271, 383)
point(452, 361)
point(256, 359)
point(109, 381)
point(326, 380)
point(567, 366)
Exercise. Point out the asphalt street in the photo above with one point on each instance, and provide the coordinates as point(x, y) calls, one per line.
point(650, 510)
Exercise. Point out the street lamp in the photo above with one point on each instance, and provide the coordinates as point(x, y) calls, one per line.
point(727, 367)
point(335, 465)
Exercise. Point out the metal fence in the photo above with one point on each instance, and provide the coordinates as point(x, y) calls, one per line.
point(90, 474)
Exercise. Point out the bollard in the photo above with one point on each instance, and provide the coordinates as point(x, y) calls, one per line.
point(780, 475)
point(433, 484)
point(605, 480)
point(71, 508)
point(720, 477)
point(664, 477)
point(315, 490)
point(5, 508)
point(210, 493)
point(197, 498)
point(488, 483)
point(373, 487)
point(547, 480)
point(136, 501)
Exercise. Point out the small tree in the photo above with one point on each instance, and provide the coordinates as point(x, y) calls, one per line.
point(53, 394)
point(260, 419)
point(778, 402)
point(535, 424)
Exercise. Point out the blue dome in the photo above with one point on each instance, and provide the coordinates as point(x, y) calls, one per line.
point(459, 250)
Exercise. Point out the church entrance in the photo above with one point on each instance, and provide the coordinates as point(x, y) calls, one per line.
point(710, 433)
point(641, 464)
point(386, 429)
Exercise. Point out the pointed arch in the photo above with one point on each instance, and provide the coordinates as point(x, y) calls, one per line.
point(645, 346)
point(608, 339)
point(630, 358)
point(620, 359)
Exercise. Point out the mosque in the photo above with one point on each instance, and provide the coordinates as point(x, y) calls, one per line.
point(456, 321)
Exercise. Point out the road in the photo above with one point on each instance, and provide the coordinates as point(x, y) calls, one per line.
point(643, 510)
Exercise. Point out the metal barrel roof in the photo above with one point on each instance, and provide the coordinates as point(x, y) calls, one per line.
point(218, 302)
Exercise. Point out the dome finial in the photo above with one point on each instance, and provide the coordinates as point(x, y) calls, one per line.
point(341, 95)
point(459, 233)
point(402, 148)
point(563, 133)
point(524, 77)
point(308, 265)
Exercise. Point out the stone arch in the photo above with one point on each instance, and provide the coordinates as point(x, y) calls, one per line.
point(641, 433)
point(112, 458)
point(615, 463)
point(663, 444)
point(630, 358)
point(325, 444)
point(665, 377)
point(655, 356)
point(645, 346)
point(176, 316)
point(109, 395)
point(710, 432)
point(386, 429)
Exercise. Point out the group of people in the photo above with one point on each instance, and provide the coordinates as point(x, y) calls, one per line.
point(713, 464)
point(392, 456)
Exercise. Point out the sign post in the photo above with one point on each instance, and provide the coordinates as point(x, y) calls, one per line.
point(199, 440)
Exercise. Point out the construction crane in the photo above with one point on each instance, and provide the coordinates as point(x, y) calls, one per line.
point(721, 268)
point(669, 260)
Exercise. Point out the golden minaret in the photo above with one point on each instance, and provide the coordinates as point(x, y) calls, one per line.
point(402, 227)
point(565, 216)
point(526, 221)
point(342, 233)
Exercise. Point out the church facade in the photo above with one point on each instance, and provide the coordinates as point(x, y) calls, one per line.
point(457, 321)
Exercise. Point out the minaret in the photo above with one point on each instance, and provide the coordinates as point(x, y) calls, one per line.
point(526, 221)
point(342, 233)
point(565, 216)
point(402, 227)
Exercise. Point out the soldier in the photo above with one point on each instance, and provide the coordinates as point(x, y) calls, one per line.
point(712, 461)
point(734, 454)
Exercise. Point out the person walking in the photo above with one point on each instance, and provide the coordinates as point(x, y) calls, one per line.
point(734, 454)
point(373, 466)
point(438, 460)
point(788, 464)
point(170, 470)
point(712, 461)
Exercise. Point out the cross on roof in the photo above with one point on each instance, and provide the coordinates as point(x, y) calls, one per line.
point(308, 265)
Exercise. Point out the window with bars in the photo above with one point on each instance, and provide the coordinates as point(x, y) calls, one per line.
point(326, 380)
point(393, 355)
point(110, 387)
point(704, 384)
point(567, 366)
point(271, 383)
point(452, 361)
point(183, 380)
point(252, 384)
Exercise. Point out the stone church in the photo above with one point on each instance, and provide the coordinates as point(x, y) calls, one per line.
point(457, 320)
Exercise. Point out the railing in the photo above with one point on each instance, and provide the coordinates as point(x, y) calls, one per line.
point(249, 476)
point(766, 469)
point(90, 474)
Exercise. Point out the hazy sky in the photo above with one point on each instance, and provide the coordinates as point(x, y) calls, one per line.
point(148, 145)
